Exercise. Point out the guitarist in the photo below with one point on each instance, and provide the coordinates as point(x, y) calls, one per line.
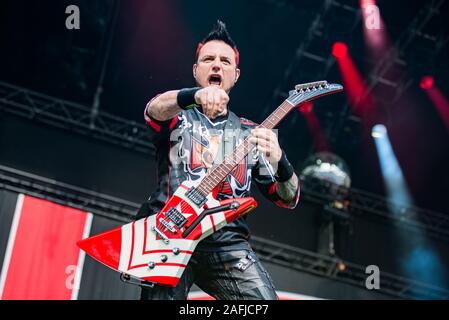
point(189, 129)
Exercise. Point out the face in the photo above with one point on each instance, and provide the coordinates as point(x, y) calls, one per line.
point(216, 66)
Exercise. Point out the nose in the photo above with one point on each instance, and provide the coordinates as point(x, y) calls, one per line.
point(216, 66)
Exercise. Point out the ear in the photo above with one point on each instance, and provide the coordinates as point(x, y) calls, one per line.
point(237, 74)
point(194, 70)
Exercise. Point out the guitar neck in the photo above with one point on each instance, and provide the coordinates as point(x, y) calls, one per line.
point(216, 175)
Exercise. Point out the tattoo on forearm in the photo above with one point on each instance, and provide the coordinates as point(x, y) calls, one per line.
point(163, 114)
point(164, 107)
point(287, 190)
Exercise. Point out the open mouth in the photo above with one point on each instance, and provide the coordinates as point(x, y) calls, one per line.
point(215, 80)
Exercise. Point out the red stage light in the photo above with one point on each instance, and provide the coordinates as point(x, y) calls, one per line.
point(356, 89)
point(365, 3)
point(339, 49)
point(440, 101)
point(306, 107)
point(426, 82)
point(317, 133)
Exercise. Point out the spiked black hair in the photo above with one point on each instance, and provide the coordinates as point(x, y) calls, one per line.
point(219, 32)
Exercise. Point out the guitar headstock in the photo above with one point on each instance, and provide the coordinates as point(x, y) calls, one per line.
point(312, 90)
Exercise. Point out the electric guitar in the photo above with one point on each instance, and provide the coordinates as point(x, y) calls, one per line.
point(157, 249)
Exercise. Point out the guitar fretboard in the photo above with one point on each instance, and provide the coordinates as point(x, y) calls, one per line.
point(216, 175)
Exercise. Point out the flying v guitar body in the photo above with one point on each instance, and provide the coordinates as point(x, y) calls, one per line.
point(157, 248)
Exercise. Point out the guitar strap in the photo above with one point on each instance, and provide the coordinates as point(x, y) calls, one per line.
point(231, 134)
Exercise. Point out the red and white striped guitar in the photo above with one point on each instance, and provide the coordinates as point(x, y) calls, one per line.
point(156, 249)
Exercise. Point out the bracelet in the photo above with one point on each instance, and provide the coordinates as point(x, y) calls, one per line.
point(186, 98)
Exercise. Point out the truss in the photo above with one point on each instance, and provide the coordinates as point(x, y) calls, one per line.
point(362, 203)
point(327, 267)
point(74, 117)
point(65, 194)
point(392, 60)
point(315, 47)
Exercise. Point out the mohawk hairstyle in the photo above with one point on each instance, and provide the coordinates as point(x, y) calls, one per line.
point(219, 32)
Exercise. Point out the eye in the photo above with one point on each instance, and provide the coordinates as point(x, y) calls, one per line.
point(226, 61)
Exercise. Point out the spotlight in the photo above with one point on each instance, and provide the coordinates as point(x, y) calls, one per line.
point(426, 82)
point(306, 107)
point(341, 266)
point(378, 131)
point(339, 49)
point(440, 102)
point(365, 3)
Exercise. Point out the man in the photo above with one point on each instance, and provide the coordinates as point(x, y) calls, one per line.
point(189, 127)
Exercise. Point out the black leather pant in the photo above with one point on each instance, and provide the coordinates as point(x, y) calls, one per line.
point(226, 275)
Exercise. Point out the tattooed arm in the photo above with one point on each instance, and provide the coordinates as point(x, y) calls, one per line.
point(287, 190)
point(164, 106)
point(283, 189)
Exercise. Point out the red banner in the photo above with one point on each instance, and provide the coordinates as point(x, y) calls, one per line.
point(42, 260)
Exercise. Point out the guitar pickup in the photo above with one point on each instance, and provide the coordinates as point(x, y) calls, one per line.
point(196, 197)
point(176, 217)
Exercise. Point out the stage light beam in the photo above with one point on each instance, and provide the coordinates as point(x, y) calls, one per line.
point(374, 32)
point(378, 131)
point(317, 132)
point(438, 99)
point(396, 188)
point(356, 89)
point(426, 82)
point(339, 50)
point(306, 107)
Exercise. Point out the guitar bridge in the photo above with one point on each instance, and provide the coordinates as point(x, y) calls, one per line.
point(196, 197)
point(160, 234)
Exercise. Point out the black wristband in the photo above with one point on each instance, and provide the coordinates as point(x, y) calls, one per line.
point(285, 170)
point(186, 98)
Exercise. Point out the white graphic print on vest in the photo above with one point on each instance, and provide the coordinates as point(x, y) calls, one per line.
point(200, 147)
